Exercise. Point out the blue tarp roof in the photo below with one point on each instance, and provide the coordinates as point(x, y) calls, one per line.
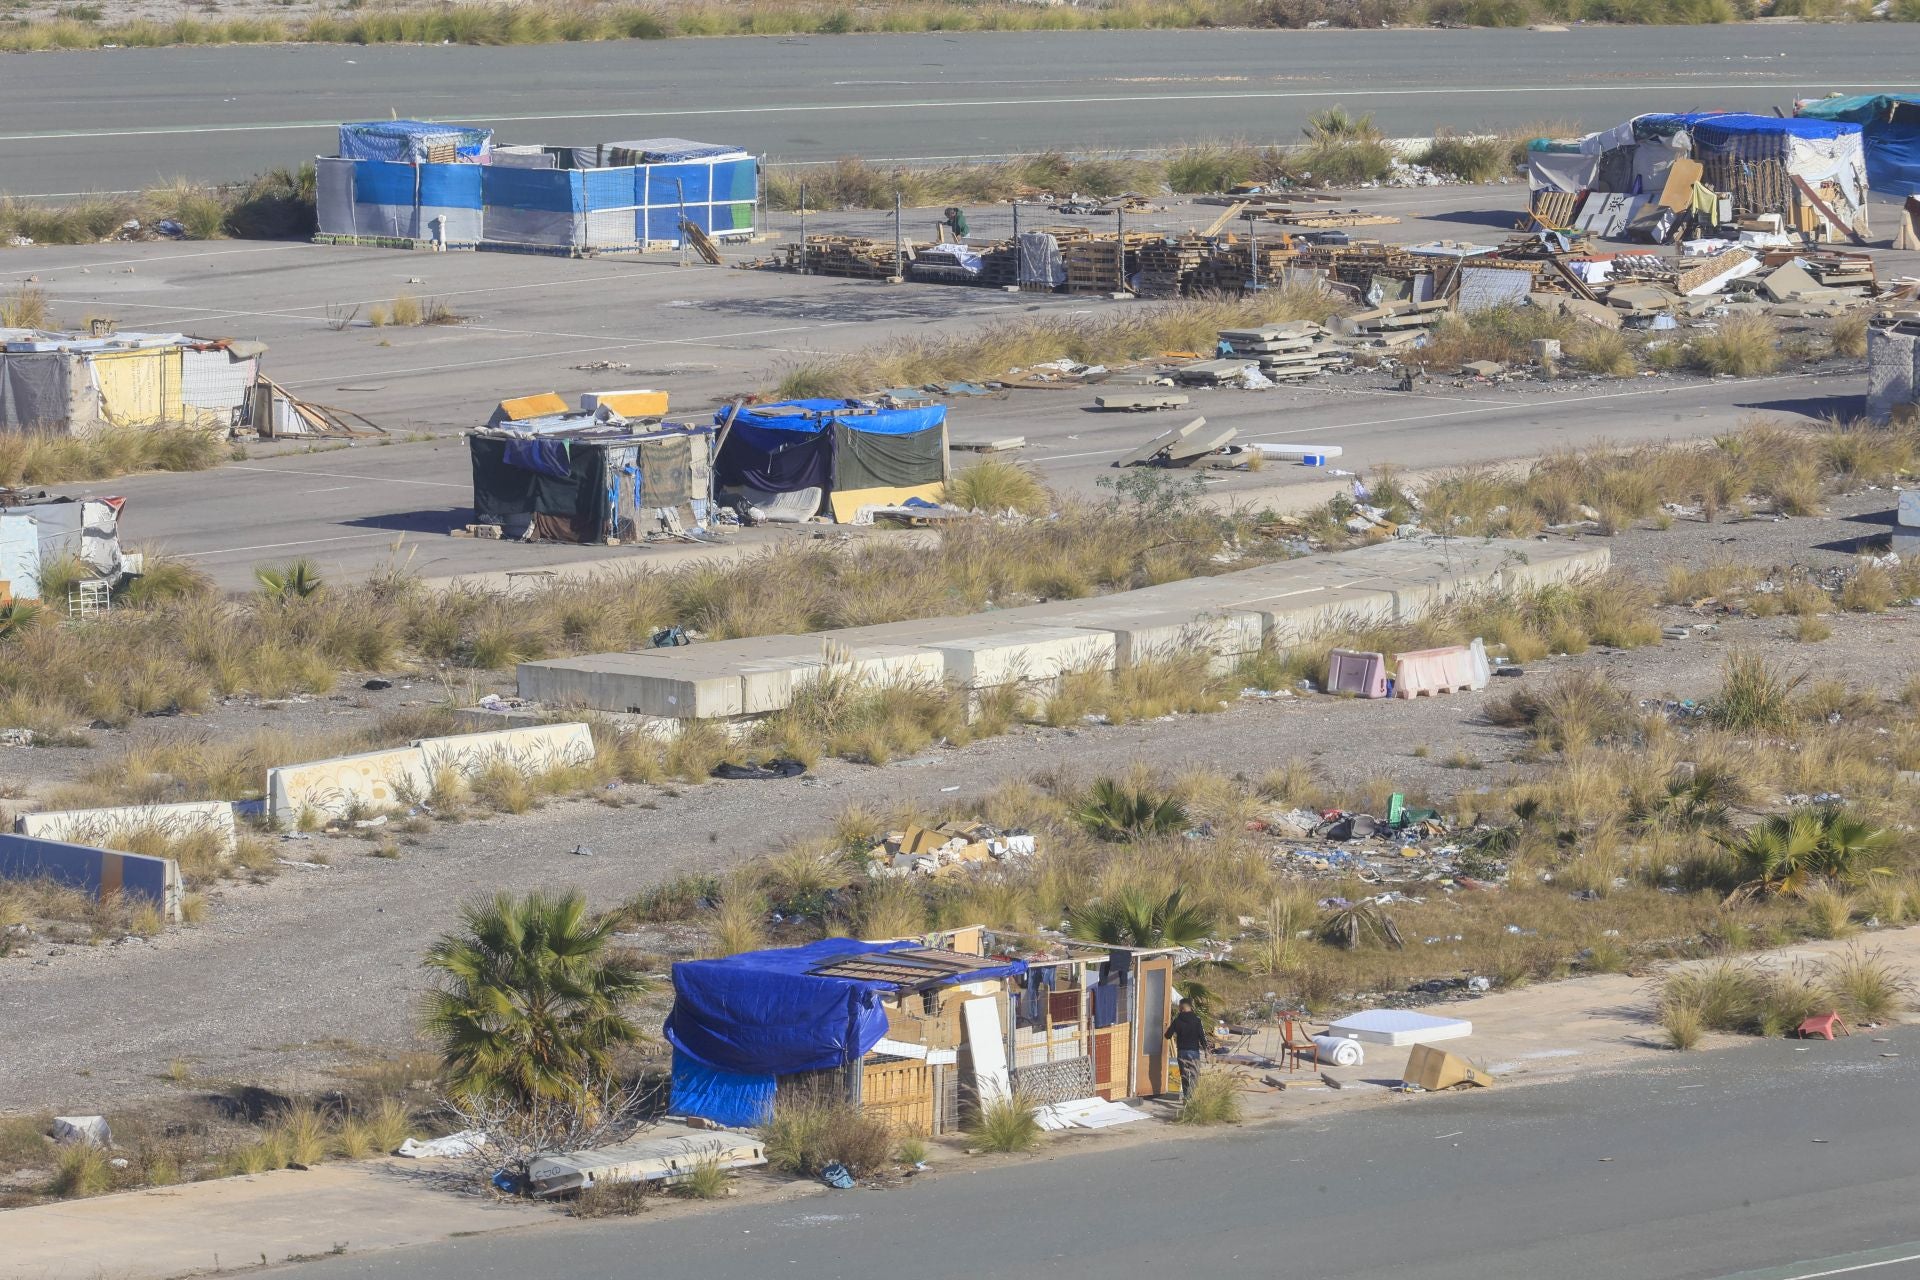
point(1716, 126)
point(406, 141)
point(767, 1013)
point(675, 150)
point(821, 414)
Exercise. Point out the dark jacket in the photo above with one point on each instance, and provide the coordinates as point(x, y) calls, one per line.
point(1188, 1033)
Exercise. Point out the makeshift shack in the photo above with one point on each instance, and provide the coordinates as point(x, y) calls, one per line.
point(39, 530)
point(797, 458)
point(748, 1028)
point(1889, 132)
point(593, 476)
point(1809, 172)
point(450, 186)
point(77, 384)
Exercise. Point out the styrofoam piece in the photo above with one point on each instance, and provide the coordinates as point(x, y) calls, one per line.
point(1030, 654)
point(987, 1049)
point(1086, 1113)
point(1293, 452)
point(1340, 1051)
point(657, 1157)
point(99, 826)
point(1429, 671)
point(1352, 671)
point(332, 788)
point(1399, 1027)
point(531, 749)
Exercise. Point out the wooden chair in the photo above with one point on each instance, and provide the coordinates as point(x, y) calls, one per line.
point(1296, 1045)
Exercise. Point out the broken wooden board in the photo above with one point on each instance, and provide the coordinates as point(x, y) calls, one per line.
point(1140, 400)
point(1677, 194)
point(702, 243)
point(1159, 444)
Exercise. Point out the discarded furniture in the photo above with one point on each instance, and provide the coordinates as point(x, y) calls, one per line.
point(1399, 1027)
point(1297, 1047)
point(1822, 1025)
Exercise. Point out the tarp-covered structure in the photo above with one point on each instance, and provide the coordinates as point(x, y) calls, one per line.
point(451, 185)
point(740, 1023)
point(32, 534)
point(580, 478)
point(856, 447)
point(75, 384)
point(1753, 159)
point(1889, 131)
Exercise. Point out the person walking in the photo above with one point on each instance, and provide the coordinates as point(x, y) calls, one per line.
point(1189, 1036)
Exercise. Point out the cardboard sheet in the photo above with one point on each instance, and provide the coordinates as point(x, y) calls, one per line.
point(987, 1046)
point(1677, 194)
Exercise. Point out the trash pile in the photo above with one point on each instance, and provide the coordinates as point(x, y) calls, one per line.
point(951, 848)
point(1407, 846)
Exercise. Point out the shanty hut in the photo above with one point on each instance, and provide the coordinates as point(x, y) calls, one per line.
point(597, 475)
point(800, 457)
point(1889, 131)
point(77, 384)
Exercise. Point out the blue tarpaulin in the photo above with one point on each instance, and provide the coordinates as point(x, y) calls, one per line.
point(815, 416)
point(724, 1097)
point(1718, 128)
point(411, 141)
point(765, 1013)
point(1890, 132)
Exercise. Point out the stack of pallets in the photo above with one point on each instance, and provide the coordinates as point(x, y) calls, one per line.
point(1166, 266)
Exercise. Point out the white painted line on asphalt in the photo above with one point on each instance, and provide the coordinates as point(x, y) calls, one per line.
point(347, 475)
point(337, 488)
point(711, 340)
point(1457, 413)
point(146, 262)
point(280, 546)
point(1132, 99)
point(1841, 1271)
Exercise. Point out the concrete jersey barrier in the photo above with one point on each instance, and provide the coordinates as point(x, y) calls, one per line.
point(1292, 600)
point(102, 826)
point(100, 872)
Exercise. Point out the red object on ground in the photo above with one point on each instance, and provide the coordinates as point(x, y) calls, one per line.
point(1823, 1025)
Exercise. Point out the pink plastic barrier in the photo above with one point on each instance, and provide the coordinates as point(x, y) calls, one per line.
point(1430, 671)
point(1351, 671)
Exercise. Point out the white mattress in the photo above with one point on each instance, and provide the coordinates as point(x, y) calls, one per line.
point(1399, 1027)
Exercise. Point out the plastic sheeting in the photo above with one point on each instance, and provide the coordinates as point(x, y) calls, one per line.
point(767, 1013)
point(1890, 135)
point(724, 1097)
point(34, 391)
point(414, 141)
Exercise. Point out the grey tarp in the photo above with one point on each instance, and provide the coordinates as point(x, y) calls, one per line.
point(35, 391)
point(865, 460)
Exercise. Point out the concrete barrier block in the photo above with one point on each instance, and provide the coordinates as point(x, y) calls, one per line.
point(531, 750)
point(332, 788)
point(1351, 671)
point(1159, 637)
point(690, 682)
point(1547, 564)
point(1305, 615)
point(104, 826)
point(100, 872)
point(876, 665)
point(1024, 656)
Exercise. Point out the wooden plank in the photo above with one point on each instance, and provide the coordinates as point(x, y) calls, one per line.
point(1826, 210)
point(1227, 215)
point(702, 244)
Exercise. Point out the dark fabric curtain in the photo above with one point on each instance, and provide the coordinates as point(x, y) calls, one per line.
point(33, 391)
point(666, 472)
point(569, 508)
point(775, 461)
point(867, 461)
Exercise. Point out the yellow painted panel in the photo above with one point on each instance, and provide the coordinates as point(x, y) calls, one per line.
point(846, 503)
point(520, 408)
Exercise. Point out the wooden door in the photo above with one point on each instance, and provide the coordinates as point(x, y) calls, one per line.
point(1153, 996)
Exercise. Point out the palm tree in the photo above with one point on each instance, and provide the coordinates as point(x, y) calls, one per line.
point(1132, 919)
point(1350, 925)
point(529, 1009)
point(1114, 812)
point(1797, 853)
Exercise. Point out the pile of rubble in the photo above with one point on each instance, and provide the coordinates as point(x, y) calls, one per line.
point(951, 848)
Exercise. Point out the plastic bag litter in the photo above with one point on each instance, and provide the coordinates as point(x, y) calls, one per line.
point(466, 1142)
point(837, 1176)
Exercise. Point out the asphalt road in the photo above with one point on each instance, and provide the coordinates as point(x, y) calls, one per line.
point(353, 510)
point(120, 119)
point(1758, 1162)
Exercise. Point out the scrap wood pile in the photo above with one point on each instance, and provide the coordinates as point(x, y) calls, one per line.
point(952, 848)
